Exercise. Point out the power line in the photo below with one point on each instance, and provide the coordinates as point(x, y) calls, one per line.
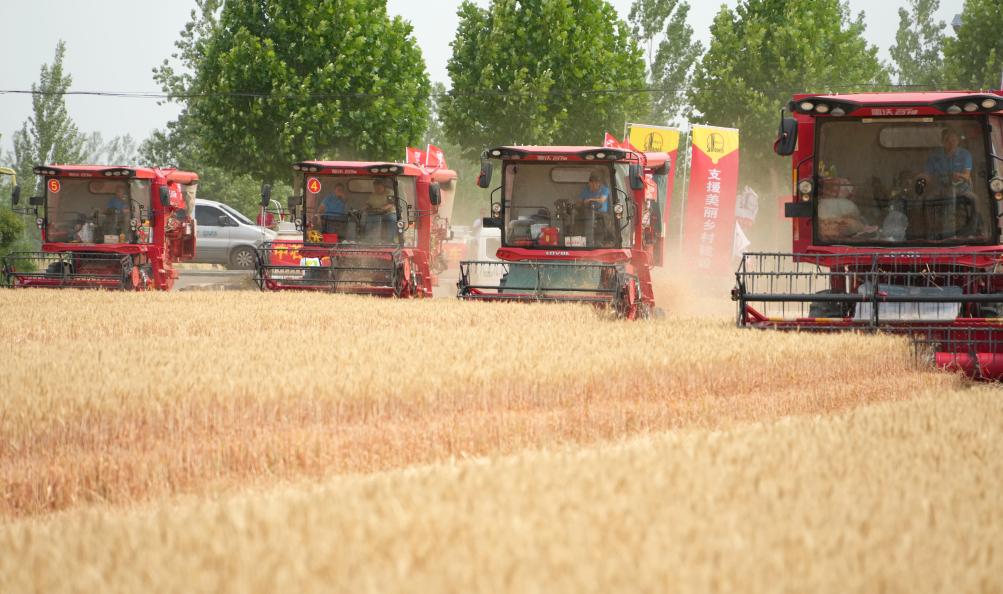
point(829, 87)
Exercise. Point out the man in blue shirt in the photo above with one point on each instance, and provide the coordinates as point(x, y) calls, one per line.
point(117, 213)
point(595, 193)
point(951, 165)
point(334, 210)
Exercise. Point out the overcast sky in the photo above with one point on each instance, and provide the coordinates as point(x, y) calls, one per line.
point(112, 45)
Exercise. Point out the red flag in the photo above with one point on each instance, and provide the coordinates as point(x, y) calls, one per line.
point(413, 156)
point(610, 141)
point(434, 157)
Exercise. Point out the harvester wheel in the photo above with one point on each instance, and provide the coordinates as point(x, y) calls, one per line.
point(626, 302)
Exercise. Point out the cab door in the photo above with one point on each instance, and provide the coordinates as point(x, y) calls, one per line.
point(213, 234)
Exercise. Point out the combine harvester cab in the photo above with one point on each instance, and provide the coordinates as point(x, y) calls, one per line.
point(896, 212)
point(367, 228)
point(558, 243)
point(107, 227)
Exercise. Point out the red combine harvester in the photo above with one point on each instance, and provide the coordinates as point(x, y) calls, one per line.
point(107, 227)
point(896, 225)
point(369, 228)
point(576, 226)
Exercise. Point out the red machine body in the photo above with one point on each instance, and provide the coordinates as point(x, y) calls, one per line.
point(108, 227)
point(560, 241)
point(354, 243)
point(896, 206)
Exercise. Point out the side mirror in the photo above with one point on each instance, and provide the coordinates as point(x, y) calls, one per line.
point(484, 177)
point(636, 177)
point(165, 196)
point(15, 196)
point(266, 195)
point(434, 194)
point(293, 201)
point(36, 200)
point(492, 223)
point(787, 137)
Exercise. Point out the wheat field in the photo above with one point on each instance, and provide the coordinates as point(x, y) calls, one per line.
point(250, 442)
point(893, 497)
point(119, 397)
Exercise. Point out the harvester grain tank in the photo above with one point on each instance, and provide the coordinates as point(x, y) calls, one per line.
point(576, 226)
point(107, 227)
point(896, 205)
point(370, 228)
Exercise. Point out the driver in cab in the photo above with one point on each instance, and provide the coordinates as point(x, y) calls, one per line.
point(595, 193)
point(951, 165)
point(380, 211)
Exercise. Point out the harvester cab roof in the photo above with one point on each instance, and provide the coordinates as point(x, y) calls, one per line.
point(367, 227)
point(578, 223)
point(896, 202)
point(108, 227)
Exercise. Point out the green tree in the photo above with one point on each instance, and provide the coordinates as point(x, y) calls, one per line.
point(268, 82)
point(974, 59)
point(764, 51)
point(541, 72)
point(671, 61)
point(49, 135)
point(919, 45)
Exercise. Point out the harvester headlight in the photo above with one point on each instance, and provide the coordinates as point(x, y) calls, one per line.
point(971, 106)
point(807, 106)
point(838, 111)
point(108, 173)
point(496, 153)
point(618, 209)
point(822, 108)
point(996, 184)
point(590, 157)
point(954, 109)
point(400, 225)
point(496, 208)
point(600, 155)
point(39, 222)
point(296, 167)
point(804, 187)
point(988, 103)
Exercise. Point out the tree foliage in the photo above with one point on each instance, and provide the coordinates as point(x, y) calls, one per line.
point(919, 45)
point(49, 135)
point(540, 72)
point(764, 51)
point(671, 61)
point(267, 82)
point(974, 59)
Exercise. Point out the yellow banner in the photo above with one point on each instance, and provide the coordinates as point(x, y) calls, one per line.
point(716, 143)
point(653, 138)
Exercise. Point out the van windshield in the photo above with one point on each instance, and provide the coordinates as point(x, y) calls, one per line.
point(914, 181)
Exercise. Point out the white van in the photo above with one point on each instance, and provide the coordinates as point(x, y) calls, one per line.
point(225, 236)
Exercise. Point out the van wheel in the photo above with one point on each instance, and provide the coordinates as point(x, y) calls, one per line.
point(242, 258)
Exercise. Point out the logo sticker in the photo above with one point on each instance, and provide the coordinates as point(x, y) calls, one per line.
point(55, 186)
point(313, 185)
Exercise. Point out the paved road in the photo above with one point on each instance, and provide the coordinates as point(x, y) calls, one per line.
point(219, 280)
